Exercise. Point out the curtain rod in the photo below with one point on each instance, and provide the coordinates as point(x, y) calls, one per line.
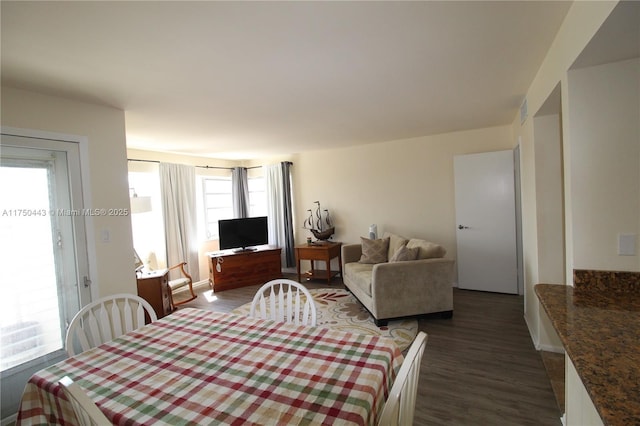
point(202, 167)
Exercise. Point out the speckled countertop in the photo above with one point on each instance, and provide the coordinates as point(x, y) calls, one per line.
point(598, 322)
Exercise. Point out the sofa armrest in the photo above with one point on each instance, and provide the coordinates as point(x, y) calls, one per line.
point(351, 253)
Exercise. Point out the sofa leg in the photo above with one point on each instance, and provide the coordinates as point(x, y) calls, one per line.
point(381, 323)
point(446, 314)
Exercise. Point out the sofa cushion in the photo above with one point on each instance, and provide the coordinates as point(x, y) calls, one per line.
point(404, 253)
point(374, 251)
point(359, 274)
point(427, 250)
point(395, 242)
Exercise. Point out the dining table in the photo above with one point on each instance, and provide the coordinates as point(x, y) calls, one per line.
point(200, 367)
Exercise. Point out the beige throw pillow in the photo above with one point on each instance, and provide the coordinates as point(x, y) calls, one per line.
point(404, 253)
point(428, 250)
point(374, 251)
point(395, 242)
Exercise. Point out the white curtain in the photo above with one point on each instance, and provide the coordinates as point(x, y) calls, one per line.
point(178, 190)
point(275, 210)
point(279, 210)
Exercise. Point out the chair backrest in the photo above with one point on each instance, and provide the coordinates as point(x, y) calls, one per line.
point(292, 303)
point(401, 403)
point(86, 411)
point(105, 319)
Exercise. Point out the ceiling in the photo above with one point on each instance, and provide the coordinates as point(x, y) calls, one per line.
point(244, 80)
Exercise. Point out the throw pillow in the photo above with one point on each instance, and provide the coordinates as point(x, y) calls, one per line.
point(427, 250)
point(374, 251)
point(404, 253)
point(395, 242)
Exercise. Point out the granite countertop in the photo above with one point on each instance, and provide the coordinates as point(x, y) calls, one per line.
point(599, 325)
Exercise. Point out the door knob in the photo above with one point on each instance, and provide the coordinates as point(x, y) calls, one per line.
point(462, 227)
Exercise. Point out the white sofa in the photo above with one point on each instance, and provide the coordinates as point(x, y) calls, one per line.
point(392, 289)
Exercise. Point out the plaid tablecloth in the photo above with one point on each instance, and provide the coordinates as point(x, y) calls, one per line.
point(201, 367)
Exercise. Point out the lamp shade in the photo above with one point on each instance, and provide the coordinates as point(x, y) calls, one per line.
point(140, 204)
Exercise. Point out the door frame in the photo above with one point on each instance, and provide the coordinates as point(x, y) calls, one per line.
point(83, 147)
point(15, 377)
point(518, 199)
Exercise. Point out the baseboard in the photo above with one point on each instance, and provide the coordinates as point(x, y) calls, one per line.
point(551, 348)
point(11, 420)
point(534, 337)
point(201, 283)
point(536, 341)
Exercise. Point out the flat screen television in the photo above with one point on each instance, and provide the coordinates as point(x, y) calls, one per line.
point(243, 234)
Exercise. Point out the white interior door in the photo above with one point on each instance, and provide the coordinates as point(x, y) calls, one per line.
point(486, 222)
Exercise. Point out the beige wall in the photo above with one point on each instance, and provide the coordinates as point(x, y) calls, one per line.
point(549, 199)
point(111, 263)
point(403, 186)
point(604, 105)
point(580, 25)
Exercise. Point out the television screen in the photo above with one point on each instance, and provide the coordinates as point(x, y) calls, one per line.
point(243, 233)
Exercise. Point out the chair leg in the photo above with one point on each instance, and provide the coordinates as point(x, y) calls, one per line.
point(182, 302)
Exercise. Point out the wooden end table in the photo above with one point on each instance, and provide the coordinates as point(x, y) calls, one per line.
point(154, 288)
point(324, 251)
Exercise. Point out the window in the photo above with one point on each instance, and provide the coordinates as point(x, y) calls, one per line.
point(217, 203)
point(257, 197)
point(148, 226)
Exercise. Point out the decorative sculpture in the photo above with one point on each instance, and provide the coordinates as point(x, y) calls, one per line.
point(321, 225)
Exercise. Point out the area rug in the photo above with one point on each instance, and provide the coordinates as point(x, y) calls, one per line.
point(340, 310)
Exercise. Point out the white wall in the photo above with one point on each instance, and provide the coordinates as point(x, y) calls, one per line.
point(104, 128)
point(605, 163)
point(404, 186)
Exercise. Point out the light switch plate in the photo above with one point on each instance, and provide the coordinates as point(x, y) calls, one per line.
point(626, 244)
point(106, 235)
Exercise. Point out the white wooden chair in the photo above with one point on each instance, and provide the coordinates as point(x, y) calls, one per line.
point(400, 405)
point(86, 411)
point(105, 319)
point(292, 303)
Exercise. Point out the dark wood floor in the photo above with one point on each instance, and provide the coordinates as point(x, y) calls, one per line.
point(480, 367)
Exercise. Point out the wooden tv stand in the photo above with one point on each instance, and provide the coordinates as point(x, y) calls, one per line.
point(229, 269)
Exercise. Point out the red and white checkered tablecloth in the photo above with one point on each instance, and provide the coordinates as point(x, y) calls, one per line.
point(201, 367)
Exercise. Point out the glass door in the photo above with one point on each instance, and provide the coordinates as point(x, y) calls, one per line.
point(43, 255)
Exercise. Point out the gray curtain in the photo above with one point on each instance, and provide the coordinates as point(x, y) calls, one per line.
point(288, 213)
point(278, 188)
point(177, 188)
point(240, 192)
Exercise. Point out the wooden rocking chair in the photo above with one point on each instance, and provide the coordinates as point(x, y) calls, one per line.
point(179, 283)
